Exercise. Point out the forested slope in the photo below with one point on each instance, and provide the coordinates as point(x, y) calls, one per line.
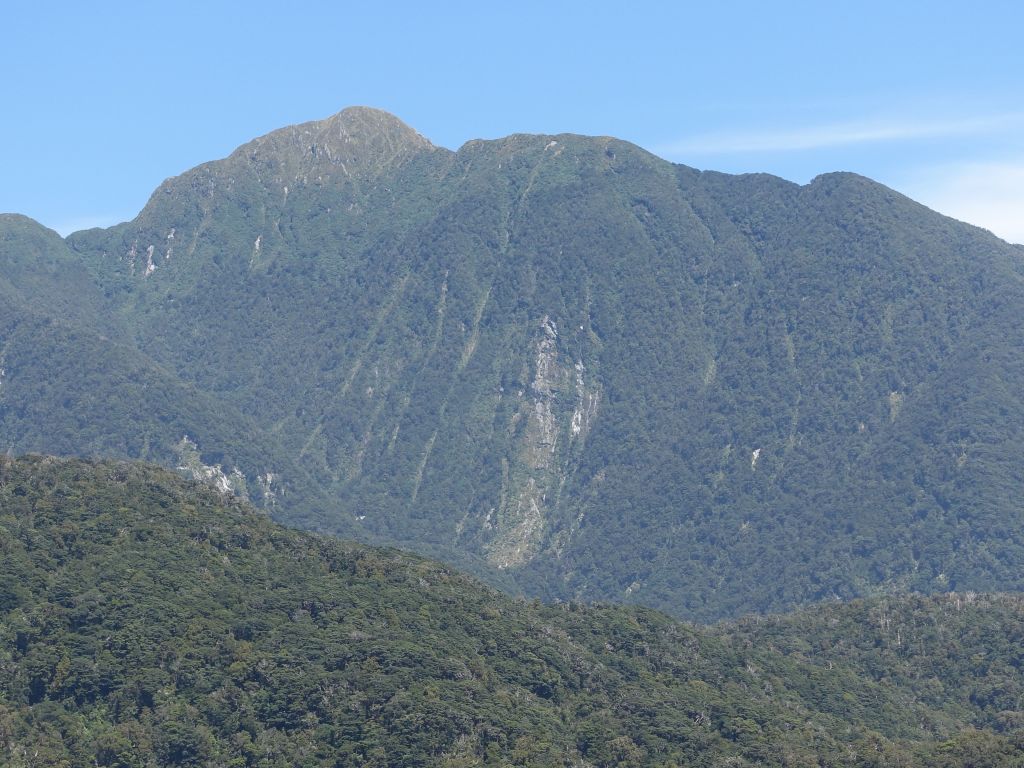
point(145, 620)
point(559, 359)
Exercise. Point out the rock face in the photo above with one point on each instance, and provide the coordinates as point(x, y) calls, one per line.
point(558, 360)
point(544, 451)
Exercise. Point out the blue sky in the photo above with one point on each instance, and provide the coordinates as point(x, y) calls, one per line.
point(103, 101)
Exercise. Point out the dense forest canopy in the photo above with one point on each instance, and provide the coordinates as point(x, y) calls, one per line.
point(150, 621)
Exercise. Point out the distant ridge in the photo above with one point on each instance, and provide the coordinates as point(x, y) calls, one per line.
point(577, 369)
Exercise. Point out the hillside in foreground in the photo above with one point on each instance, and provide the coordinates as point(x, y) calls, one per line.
point(149, 621)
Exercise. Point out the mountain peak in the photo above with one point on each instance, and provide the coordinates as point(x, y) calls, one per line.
point(358, 141)
point(369, 126)
point(370, 120)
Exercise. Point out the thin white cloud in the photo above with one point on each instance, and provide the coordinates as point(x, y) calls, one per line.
point(835, 135)
point(989, 195)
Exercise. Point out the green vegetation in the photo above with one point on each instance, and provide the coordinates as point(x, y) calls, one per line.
point(559, 361)
point(148, 621)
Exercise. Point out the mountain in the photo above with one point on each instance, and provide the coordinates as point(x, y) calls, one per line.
point(150, 621)
point(560, 361)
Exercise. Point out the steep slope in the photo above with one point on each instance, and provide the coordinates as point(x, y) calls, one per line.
point(73, 382)
point(148, 621)
point(855, 427)
point(603, 374)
